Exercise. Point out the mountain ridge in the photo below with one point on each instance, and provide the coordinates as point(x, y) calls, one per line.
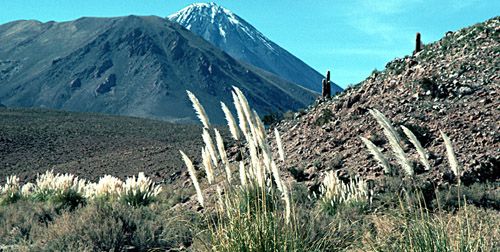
point(242, 41)
point(132, 65)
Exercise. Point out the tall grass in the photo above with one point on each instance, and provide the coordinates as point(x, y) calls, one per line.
point(10, 192)
point(415, 228)
point(394, 141)
point(254, 212)
point(336, 193)
point(70, 191)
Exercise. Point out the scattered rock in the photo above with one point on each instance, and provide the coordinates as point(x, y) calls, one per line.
point(107, 84)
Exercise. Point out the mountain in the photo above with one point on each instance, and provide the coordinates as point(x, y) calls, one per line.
point(452, 85)
point(136, 66)
point(242, 41)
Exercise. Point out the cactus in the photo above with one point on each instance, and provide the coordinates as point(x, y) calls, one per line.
point(418, 44)
point(326, 86)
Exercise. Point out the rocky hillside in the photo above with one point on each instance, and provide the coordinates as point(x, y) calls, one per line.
point(137, 66)
point(452, 85)
point(232, 34)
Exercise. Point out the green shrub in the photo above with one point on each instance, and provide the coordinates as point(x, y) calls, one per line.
point(112, 227)
point(325, 117)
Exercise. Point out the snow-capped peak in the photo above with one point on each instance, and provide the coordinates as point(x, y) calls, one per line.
point(205, 9)
point(198, 16)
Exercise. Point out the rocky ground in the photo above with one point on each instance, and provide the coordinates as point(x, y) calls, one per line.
point(452, 85)
point(91, 145)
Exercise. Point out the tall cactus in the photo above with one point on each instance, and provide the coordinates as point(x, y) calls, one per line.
point(418, 44)
point(326, 86)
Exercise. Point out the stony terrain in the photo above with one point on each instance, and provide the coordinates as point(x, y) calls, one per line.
point(91, 145)
point(452, 85)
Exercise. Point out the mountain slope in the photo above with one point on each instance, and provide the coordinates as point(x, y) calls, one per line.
point(453, 86)
point(139, 66)
point(242, 41)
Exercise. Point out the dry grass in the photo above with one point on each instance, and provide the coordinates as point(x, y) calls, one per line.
point(418, 229)
point(336, 193)
point(254, 212)
point(72, 192)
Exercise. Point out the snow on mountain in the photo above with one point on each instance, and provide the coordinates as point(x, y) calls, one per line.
point(242, 41)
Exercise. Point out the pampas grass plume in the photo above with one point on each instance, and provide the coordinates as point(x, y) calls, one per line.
point(231, 122)
point(207, 164)
point(222, 153)
point(210, 147)
point(200, 111)
point(421, 151)
point(394, 138)
point(243, 174)
point(377, 154)
point(280, 145)
point(192, 174)
point(452, 159)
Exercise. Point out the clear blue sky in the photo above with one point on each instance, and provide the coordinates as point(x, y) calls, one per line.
point(350, 37)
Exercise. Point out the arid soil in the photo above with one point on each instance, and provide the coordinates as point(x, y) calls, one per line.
point(91, 145)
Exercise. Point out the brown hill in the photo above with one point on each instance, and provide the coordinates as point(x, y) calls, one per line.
point(452, 85)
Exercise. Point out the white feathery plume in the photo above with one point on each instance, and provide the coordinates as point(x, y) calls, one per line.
point(335, 191)
point(243, 175)
point(141, 185)
point(11, 186)
point(207, 139)
point(260, 130)
point(223, 154)
point(393, 137)
point(231, 122)
point(207, 164)
point(421, 151)
point(244, 105)
point(266, 157)
point(383, 120)
point(27, 189)
point(286, 197)
point(452, 158)
point(241, 115)
point(220, 147)
point(377, 154)
point(280, 145)
point(192, 174)
point(200, 111)
point(276, 175)
point(257, 167)
point(219, 198)
point(107, 186)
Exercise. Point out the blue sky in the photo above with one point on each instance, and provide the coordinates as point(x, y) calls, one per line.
point(349, 37)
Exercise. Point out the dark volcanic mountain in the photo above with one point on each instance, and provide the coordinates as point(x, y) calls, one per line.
point(242, 41)
point(138, 66)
